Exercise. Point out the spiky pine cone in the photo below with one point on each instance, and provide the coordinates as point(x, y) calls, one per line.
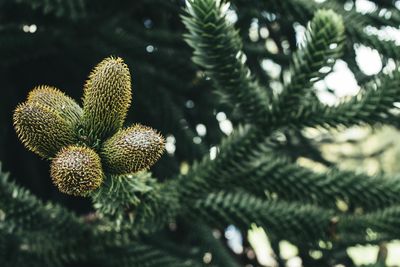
point(53, 98)
point(41, 129)
point(50, 124)
point(77, 170)
point(132, 149)
point(106, 99)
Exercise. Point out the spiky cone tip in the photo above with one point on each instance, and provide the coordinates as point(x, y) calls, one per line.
point(55, 99)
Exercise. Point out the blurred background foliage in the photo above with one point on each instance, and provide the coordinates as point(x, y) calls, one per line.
point(363, 149)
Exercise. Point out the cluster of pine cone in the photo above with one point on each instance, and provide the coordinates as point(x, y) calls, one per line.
point(84, 144)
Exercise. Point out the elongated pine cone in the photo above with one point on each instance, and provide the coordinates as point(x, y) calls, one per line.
point(77, 170)
point(41, 129)
point(53, 98)
point(132, 149)
point(106, 99)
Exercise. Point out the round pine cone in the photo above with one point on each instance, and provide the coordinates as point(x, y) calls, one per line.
point(133, 149)
point(77, 170)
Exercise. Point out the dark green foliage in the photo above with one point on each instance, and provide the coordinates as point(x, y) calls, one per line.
point(324, 43)
point(288, 221)
point(293, 221)
point(71, 9)
point(49, 235)
point(121, 194)
point(44, 232)
point(292, 182)
point(218, 49)
point(177, 214)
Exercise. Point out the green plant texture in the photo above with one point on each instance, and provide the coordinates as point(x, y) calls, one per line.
point(194, 65)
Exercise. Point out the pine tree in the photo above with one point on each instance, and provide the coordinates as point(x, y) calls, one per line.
point(93, 199)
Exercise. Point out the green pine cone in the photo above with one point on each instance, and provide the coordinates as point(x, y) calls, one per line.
point(106, 100)
point(41, 129)
point(77, 170)
point(53, 98)
point(132, 149)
